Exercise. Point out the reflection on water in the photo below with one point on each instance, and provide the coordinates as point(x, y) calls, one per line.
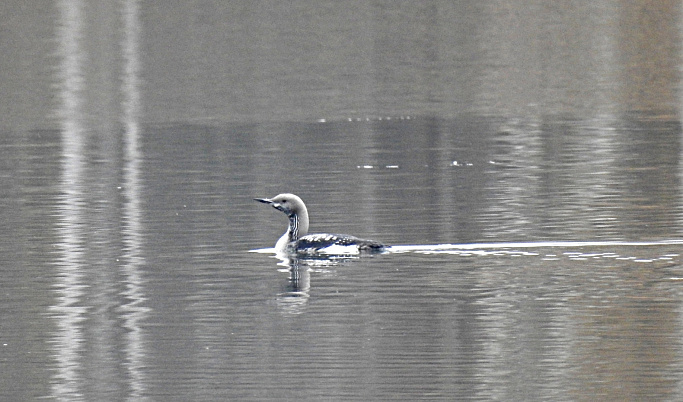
point(500, 321)
point(508, 319)
point(295, 295)
point(91, 308)
point(133, 310)
point(69, 312)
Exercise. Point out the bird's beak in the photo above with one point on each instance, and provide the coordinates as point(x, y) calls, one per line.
point(272, 203)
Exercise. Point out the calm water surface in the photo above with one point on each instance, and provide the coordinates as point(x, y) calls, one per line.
point(524, 163)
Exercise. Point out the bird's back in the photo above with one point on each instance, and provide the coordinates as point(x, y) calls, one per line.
point(325, 243)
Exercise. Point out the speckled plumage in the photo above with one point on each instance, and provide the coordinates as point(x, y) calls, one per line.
point(297, 240)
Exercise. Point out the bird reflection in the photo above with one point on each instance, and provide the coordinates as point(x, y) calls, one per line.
point(294, 297)
point(295, 293)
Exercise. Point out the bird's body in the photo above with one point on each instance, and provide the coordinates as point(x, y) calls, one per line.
point(296, 239)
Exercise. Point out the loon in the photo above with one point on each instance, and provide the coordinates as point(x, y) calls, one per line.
point(297, 240)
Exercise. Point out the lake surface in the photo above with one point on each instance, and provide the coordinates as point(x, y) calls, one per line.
point(523, 162)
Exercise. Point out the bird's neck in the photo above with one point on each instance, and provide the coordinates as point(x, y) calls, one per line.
point(298, 226)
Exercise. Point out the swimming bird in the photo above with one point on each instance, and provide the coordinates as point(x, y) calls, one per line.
point(297, 240)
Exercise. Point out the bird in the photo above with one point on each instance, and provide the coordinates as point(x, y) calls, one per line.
point(296, 239)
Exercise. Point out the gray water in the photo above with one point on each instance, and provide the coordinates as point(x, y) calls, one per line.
point(522, 160)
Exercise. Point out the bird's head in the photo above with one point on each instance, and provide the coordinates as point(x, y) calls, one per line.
point(290, 204)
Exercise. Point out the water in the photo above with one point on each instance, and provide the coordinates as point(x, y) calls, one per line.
point(524, 164)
